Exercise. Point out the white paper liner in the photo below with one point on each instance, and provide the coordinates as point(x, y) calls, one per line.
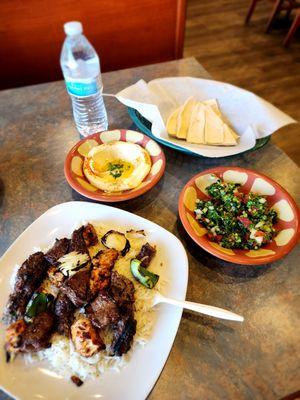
point(251, 116)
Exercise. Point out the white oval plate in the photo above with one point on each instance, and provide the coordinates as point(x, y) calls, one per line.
point(136, 379)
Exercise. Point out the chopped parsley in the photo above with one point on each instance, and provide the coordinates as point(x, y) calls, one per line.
point(116, 170)
point(234, 219)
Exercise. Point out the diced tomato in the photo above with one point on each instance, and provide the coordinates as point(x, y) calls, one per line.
point(215, 238)
point(238, 194)
point(245, 221)
point(259, 234)
point(246, 198)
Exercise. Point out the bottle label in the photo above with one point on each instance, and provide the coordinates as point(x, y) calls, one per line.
point(82, 89)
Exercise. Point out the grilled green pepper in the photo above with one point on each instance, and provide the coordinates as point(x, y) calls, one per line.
point(142, 275)
point(39, 302)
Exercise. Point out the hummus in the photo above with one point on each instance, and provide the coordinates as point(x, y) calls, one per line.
point(117, 166)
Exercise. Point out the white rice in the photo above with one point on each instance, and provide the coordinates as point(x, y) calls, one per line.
point(67, 362)
point(13, 276)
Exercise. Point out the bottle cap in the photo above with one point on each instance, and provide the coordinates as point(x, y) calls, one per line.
point(73, 28)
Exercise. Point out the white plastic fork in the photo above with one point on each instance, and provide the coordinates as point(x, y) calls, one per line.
point(200, 308)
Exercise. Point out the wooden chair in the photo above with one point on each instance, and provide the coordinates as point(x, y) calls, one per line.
point(293, 29)
point(279, 5)
point(125, 33)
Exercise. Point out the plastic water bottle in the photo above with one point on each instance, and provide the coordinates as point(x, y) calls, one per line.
point(81, 68)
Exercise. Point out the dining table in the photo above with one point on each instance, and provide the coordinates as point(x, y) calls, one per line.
point(210, 358)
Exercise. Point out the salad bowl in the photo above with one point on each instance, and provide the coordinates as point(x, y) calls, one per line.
point(286, 226)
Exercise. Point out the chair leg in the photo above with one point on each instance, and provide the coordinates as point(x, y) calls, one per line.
point(276, 9)
point(250, 11)
point(293, 28)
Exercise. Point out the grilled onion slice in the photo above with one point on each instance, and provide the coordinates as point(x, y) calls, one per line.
point(116, 240)
point(72, 262)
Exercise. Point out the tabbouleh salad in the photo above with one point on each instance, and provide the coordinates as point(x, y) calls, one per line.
point(234, 219)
